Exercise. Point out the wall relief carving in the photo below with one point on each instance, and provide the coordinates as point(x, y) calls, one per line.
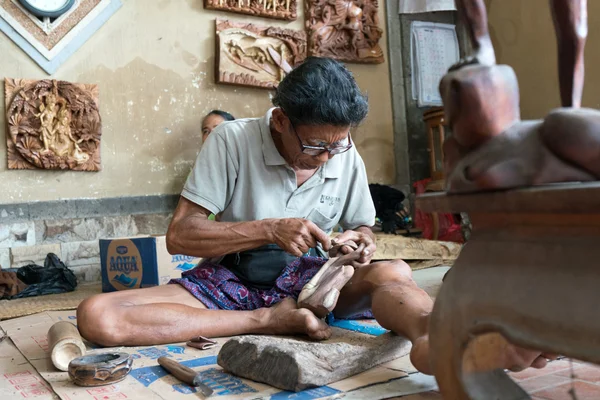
point(52, 125)
point(278, 9)
point(252, 55)
point(346, 30)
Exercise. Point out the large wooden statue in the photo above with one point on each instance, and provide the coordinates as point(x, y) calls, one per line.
point(492, 148)
point(529, 271)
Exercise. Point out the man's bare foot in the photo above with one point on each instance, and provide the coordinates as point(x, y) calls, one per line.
point(484, 353)
point(519, 358)
point(285, 318)
point(492, 351)
point(321, 293)
point(419, 355)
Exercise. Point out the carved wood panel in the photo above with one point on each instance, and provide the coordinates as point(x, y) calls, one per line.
point(52, 125)
point(346, 30)
point(278, 9)
point(257, 56)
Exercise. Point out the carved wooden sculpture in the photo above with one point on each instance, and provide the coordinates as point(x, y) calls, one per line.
point(528, 243)
point(346, 30)
point(278, 9)
point(52, 125)
point(251, 55)
point(321, 293)
point(493, 148)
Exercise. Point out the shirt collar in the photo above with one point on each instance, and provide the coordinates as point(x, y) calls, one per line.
point(332, 168)
point(270, 152)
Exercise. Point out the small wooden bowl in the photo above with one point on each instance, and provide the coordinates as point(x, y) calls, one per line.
point(100, 369)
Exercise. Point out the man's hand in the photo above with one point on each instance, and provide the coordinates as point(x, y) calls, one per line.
point(360, 236)
point(296, 235)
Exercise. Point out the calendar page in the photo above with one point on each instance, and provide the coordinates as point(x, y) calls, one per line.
point(423, 6)
point(434, 48)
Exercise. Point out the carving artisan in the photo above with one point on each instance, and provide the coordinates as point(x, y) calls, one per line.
point(279, 185)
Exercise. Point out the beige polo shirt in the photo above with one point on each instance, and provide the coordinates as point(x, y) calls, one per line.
point(240, 174)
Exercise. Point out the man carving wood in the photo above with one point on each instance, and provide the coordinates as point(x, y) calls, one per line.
point(278, 184)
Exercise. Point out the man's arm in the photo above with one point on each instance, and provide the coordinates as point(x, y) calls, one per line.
point(192, 233)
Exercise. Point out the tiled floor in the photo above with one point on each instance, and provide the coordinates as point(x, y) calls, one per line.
point(555, 382)
point(559, 379)
point(421, 396)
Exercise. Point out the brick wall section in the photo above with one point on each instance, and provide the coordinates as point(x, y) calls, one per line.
point(74, 240)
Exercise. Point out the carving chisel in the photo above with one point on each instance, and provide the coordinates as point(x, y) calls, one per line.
point(185, 374)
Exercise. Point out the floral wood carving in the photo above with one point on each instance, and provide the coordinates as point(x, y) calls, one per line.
point(251, 55)
point(346, 30)
point(278, 9)
point(52, 125)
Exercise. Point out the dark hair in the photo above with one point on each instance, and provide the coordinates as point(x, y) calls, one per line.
point(321, 91)
point(223, 114)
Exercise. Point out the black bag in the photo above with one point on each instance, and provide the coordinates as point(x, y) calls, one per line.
point(389, 208)
point(54, 277)
point(260, 267)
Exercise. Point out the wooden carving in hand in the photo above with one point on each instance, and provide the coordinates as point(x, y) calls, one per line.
point(321, 293)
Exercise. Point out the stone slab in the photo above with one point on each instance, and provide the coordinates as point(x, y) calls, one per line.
point(152, 224)
point(13, 213)
point(76, 254)
point(85, 208)
point(17, 234)
point(87, 273)
point(26, 255)
point(4, 258)
point(85, 229)
point(295, 364)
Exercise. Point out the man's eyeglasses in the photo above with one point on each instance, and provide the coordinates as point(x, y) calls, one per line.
point(318, 150)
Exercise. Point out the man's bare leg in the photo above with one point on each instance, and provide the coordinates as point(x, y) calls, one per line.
point(570, 24)
point(474, 15)
point(170, 314)
point(399, 305)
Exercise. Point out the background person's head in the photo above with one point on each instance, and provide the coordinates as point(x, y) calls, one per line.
point(318, 103)
point(212, 119)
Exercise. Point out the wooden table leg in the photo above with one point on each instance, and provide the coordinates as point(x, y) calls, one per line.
point(533, 278)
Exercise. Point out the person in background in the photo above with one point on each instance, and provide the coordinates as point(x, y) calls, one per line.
point(212, 120)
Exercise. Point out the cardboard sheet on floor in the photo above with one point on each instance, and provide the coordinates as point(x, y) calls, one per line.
point(18, 378)
point(26, 370)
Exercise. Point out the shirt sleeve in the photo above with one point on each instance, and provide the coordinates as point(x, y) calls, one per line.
point(359, 209)
point(212, 180)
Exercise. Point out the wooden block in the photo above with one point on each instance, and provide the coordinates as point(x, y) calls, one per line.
point(296, 364)
point(65, 344)
point(393, 246)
